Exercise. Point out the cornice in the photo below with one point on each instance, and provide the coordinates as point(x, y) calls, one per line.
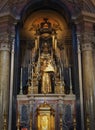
point(84, 16)
point(8, 15)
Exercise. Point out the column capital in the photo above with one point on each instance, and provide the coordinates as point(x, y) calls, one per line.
point(4, 44)
point(6, 41)
point(5, 47)
point(87, 47)
point(86, 41)
point(87, 36)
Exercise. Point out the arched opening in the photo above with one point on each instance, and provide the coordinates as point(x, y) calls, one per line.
point(46, 34)
point(46, 61)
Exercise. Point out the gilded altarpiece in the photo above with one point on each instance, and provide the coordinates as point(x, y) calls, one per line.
point(46, 101)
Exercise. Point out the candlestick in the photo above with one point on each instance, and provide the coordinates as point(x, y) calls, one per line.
point(36, 43)
point(39, 57)
point(29, 70)
point(30, 121)
point(60, 73)
point(5, 121)
point(55, 43)
point(60, 82)
point(74, 122)
point(70, 80)
point(32, 77)
point(88, 122)
point(18, 121)
point(21, 87)
point(2, 102)
point(60, 121)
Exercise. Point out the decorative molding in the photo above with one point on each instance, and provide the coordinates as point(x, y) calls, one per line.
point(5, 43)
point(12, 8)
point(2, 4)
point(5, 47)
point(19, 1)
point(87, 36)
point(87, 47)
point(84, 16)
point(5, 7)
point(88, 6)
point(85, 39)
point(17, 5)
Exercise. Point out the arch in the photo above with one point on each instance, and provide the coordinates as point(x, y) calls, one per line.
point(56, 5)
point(60, 8)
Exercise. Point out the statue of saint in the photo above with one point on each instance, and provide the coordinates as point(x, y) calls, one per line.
point(47, 68)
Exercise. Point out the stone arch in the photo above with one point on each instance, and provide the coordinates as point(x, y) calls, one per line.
point(59, 6)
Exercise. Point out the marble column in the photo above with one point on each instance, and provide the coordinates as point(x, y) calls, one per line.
point(4, 77)
point(1, 99)
point(88, 77)
point(80, 80)
point(11, 83)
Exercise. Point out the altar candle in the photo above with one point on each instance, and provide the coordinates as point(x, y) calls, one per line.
point(36, 43)
point(70, 80)
point(53, 41)
point(21, 82)
point(32, 76)
point(60, 73)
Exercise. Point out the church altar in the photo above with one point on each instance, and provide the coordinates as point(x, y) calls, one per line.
point(63, 107)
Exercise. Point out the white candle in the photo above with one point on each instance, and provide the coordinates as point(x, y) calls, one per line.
point(32, 76)
point(60, 73)
point(53, 41)
point(21, 92)
point(36, 43)
point(70, 80)
point(39, 55)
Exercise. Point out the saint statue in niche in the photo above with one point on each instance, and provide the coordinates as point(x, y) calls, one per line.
point(46, 69)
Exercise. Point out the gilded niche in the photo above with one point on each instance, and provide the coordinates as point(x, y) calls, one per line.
point(45, 117)
point(48, 56)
